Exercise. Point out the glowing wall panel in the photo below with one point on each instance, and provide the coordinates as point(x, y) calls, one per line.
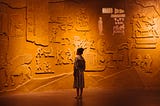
point(39, 38)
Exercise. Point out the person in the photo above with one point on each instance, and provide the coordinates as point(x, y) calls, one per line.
point(79, 68)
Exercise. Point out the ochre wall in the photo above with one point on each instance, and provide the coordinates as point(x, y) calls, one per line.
point(39, 38)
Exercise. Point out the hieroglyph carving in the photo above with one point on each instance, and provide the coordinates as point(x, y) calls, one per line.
point(144, 32)
point(42, 64)
point(143, 63)
point(64, 23)
point(84, 43)
point(64, 57)
point(18, 66)
point(82, 21)
point(113, 59)
point(16, 25)
point(58, 25)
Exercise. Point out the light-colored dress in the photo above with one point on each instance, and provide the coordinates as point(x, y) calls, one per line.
point(79, 68)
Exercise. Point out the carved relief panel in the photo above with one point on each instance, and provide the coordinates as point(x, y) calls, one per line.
point(37, 22)
point(144, 32)
point(39, 39)
point(16, 25)
point(82, 21)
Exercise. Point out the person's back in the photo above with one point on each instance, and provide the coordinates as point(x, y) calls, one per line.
point(79, 68)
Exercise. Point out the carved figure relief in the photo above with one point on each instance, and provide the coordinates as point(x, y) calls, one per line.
point(19, 66)
point(53, 31)
point(78, 42)
point(42, 64)
point(100, 26)
point(112, 59)
point(147, 62)
point(144, 33)
point(64, 57)
point(85, 43)
point(45, 52)
point(143, 63)
point(64, 23)
point(59, 57)
point(101, 46)
point(58, 25)
point(23, 71)
point(38, 65)
point(82, 22)
point(66, 41)
point(136, 62)
point(17, 28)
point(47, 67)
point(43, 67)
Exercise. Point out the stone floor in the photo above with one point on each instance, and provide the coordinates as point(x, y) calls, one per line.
point(91, 97)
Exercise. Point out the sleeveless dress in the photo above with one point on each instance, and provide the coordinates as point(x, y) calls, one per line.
point(79, 68)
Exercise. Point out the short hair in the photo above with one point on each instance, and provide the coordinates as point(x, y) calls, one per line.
point(80, 51)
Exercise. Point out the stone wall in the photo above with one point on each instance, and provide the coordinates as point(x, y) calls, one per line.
point(39, 38)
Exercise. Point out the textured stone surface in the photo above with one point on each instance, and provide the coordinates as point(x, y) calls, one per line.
point(39, 38)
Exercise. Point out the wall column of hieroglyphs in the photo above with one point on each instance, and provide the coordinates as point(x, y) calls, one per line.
point(39, 38)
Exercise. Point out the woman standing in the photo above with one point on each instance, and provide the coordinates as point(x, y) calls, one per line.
point(79, 68)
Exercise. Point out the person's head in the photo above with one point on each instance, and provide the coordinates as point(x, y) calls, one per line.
point(80, 51)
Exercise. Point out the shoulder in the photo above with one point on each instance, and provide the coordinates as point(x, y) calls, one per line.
point(78, 57)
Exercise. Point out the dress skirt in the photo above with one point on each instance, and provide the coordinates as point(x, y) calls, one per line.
point(78, 79)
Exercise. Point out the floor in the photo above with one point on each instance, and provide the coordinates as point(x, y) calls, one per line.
point(91, 97)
